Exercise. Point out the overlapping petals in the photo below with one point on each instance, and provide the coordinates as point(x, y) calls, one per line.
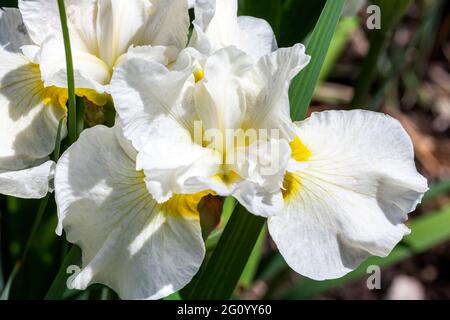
point(29, 115)
point(101, 32)
point(139, 248)
point(217, 25)
point(233, 93)
point(208, 120)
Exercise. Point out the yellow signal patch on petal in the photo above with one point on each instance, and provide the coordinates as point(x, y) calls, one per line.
point(299, 151)
point(54, 96)
point(185, 205)
point(291, 185)
point(59, 96)
point(291, 181)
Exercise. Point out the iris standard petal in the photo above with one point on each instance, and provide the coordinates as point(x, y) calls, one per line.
point(217, 25)
point(267, 89)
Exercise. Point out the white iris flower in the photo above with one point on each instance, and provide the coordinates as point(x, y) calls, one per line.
point(225, 92)
point(33, 79)
point(139, 248)
point(101, 32)
point(340, 190)
point(29, 115)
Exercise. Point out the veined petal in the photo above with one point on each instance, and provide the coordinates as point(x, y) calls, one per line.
point(29, 113)
point(144, 91)
point(14, 34)
point(90, 72)
point(350, 202)
point(219, 100)
point(32, 183)
point(117, 25)
point(140, 249)
point(41, 18)
point(170, 158)
point(267, 90)
point(168, 24)
point(216, 26)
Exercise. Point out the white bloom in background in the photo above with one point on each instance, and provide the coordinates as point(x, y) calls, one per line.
point(225, 91)
point(352, 196)
point(217, 25)
point(33, 71)
point(101, 31)
point(29, 115)
point(129, 242)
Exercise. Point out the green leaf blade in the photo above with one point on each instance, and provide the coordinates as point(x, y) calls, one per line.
point(303, 86)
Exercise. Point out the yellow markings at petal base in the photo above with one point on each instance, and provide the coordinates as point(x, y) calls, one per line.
point(58, 97)
point(185, 205)
point(227, 178)
point(198, 74)
point(54, 96)
point(291, 181)
point(299, 151)
point(291, 185)
point(99, 99)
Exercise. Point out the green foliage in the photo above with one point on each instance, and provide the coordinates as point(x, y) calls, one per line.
point(302, 87)
point(8, 3)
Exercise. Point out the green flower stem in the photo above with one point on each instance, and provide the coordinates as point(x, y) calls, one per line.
point(73, 132)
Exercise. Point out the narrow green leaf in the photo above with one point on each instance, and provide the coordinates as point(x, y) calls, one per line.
point(59, 288)
point(73, 132)
point(250, 269)
point(302, 87)
point(427, 232)
point(298, 20)
point(223, 270)
point(340, 39)
point(437, 190)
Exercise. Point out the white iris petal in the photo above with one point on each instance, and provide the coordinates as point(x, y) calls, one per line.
point(217, 26)
point(129, 242)
point(159, 108)
point(29, 115)
point(352, 199)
